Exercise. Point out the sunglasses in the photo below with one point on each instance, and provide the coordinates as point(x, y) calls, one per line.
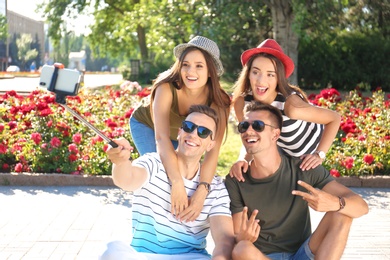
point(203, 132)
point(257, 125)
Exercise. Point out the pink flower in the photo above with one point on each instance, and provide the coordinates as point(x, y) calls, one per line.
point(368, 158)
point(77, 138)
point(36, 137)
point(335, 173)
point(55, 142)
point(1, 127)
point(18, 167)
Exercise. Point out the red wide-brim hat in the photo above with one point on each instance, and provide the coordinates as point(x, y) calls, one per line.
point(270, 46)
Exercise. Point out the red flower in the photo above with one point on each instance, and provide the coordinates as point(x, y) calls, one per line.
point(55, 142)
point(368, 158)
point(335, 173)
point(348, 163)
point(3, 148)
point(45, 112)
point(129, 113)
point(36, 137)
point(77, 138)
point(73, 148)
point(1, 127)
point(12, 125)
point(18, 167)
point(72, 157)
point(5, 166)
point(49, 124)
point(144, 92)
point(105, 147)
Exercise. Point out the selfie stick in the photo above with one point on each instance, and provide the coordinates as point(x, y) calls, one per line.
point(61, 99)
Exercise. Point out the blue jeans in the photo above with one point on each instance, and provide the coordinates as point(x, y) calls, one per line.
point(144, 137)
point(303, 253)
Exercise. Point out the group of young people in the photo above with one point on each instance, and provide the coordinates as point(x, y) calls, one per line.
point(261, 209)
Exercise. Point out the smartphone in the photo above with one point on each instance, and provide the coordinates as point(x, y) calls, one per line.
point(68, 80)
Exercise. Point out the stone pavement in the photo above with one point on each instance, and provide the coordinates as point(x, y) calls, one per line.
point(75, 222)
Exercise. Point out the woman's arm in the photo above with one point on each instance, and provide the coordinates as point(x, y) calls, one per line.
point(296, 108)
point(238, 106)
point(207, 172)
point(161, 108)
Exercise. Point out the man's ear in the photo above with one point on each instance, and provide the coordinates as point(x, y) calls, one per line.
point(276, 134)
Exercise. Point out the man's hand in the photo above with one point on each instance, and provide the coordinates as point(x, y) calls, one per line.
point(310, 161)
point(237, 169)
point(317, 199)
point(195, 205)
point(179, 200)
point(121, 153)
point(250, 229)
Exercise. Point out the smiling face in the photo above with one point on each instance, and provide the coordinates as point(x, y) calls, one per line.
point(263, 80)
point(190, 144)
point(257, 142)
point(194, 71)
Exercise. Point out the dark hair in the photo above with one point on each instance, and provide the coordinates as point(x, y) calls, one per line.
point(243, 86)
point(276, 115)
point(208, 111)
point(217, 94)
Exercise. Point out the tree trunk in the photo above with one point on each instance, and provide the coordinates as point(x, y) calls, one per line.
point(282, 20)
point(142, 43)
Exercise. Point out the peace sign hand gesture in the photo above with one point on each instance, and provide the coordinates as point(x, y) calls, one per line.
point(317, 199)
point(250, 229)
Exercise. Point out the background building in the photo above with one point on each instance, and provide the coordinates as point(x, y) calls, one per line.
point(17, 25)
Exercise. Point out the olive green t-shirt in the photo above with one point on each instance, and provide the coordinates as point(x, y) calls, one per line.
point(284, 218)
point(142, 114)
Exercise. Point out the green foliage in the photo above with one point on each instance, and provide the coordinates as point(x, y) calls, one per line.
point(349, 59)
point(3, 28)
point(25, 52)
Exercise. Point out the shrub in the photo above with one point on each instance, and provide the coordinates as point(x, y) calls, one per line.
point(38, 135)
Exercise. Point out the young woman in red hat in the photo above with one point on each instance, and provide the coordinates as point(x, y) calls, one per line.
point(308, 131)
point(154, 125)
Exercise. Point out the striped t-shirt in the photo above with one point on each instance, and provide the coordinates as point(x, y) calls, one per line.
point(298, 137)
point(155, 229)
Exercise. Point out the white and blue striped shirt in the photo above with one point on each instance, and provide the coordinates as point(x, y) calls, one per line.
point(155, 229)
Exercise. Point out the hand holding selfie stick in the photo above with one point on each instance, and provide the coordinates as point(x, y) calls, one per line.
point(61, 99)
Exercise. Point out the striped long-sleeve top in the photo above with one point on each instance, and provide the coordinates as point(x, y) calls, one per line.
point(298, 137)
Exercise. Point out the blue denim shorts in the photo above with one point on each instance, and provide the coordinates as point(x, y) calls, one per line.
point(144, 137)
point(303, 253)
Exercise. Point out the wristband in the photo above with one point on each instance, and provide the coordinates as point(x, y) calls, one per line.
point(206, 185)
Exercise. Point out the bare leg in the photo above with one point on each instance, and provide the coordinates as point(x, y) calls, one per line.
point(330, 238)
point(245, 250)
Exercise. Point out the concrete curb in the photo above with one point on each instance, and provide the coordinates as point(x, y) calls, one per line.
point(37, 179)
point(55, 179)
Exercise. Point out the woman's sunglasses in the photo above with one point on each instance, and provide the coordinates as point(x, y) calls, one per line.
point(203, 132)
point(257, 125)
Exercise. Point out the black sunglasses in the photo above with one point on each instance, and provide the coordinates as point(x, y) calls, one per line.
point(203, 132)
point(257, 125)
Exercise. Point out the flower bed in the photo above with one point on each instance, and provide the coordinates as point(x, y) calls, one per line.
point(38, 136)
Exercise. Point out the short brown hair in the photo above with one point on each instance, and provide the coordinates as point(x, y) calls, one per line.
point(275, 112)
point(208, 111)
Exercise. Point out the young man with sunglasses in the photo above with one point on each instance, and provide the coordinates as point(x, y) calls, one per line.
point(156, 233)
point(271, 207)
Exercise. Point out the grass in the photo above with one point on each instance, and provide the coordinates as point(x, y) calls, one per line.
point(229, 151)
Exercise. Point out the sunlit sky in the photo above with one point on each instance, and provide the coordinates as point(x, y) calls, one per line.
point(28, 8)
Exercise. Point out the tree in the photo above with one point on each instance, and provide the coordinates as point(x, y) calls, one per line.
point(25, 53)
point(3, 28)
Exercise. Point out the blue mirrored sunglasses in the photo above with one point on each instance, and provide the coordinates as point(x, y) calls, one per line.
point(203, 132)
point(257, 125)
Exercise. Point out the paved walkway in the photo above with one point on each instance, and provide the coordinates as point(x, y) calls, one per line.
point(75, 222)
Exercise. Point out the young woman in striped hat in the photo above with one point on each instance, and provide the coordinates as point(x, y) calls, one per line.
point(308, 131)
point(192, 80)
